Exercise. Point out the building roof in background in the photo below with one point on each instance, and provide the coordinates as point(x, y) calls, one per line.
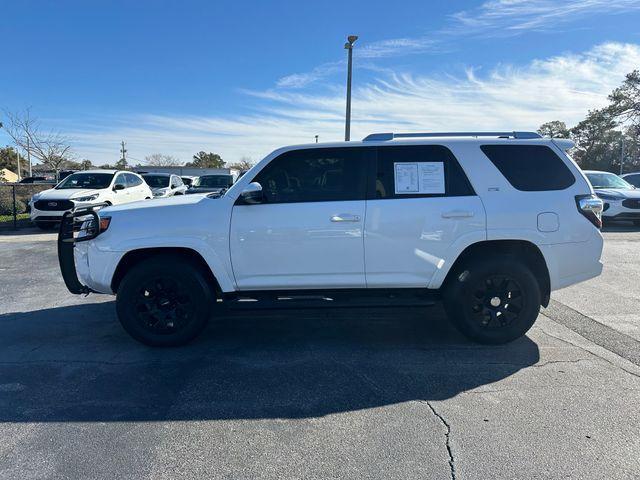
point(8, 176)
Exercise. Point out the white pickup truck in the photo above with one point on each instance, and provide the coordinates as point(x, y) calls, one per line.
point(490, 223)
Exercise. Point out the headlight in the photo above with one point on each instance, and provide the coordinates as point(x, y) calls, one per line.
point(87, 198)
point(35, 197)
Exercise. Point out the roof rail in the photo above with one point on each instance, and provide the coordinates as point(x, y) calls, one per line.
point(382, 137)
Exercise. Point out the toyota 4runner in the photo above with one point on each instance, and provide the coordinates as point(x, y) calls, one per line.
point(489, 223)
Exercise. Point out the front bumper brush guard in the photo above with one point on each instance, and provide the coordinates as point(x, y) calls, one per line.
point(77, 225)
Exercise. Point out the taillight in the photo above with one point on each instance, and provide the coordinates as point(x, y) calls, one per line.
point(591, 207)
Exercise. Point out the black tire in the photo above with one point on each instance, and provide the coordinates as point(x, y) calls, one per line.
point(164, 301)
point(46, 225)
point(493, 301)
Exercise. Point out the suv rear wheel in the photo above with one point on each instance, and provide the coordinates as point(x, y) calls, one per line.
point(494, 300)
point(164, 301)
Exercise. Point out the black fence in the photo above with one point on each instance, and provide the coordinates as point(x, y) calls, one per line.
point(14, 204)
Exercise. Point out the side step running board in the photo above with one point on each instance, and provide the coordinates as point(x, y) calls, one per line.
point(357, 298)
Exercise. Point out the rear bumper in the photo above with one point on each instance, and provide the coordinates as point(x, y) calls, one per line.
point(570, 263)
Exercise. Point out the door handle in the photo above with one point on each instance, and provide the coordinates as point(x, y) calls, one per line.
point(345, 217)
point(457, 214)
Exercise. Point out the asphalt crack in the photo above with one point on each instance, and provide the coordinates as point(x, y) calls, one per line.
point(447, 434)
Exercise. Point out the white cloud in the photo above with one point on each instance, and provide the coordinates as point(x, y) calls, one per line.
point(493, 18)
point(507, 97)
point(511, 17)
point(300, 80)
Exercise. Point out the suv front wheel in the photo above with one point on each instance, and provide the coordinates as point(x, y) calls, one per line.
point(164, 301)
point(493, 301)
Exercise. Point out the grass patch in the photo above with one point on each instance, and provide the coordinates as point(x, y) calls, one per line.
point(9, 218)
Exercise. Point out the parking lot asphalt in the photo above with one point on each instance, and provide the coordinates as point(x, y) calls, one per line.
point(352, 393)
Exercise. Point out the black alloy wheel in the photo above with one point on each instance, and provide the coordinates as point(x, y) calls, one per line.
point(494, 300)
point(497, 301)
point(165, 301)
point(164, 306)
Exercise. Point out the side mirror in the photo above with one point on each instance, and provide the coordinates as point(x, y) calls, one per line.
point(252, 194)
point(173, 186)
point(118, 186)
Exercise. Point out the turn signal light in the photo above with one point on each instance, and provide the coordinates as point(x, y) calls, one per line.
point(104, 223)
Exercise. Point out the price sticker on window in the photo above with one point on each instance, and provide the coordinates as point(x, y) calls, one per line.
point(419, 178)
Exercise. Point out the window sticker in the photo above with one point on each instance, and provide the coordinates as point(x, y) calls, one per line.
point(419, 177)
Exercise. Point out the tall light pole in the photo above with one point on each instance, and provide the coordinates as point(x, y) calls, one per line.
point(29, 155)
point(351, 39)
point(621, 152)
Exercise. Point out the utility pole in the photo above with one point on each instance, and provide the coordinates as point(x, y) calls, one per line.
point(621, 153)
point(123, 153)
point(29, 155)
point(18, 163)
point(349, 46)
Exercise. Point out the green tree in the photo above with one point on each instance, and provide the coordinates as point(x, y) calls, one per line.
point(9, 160)
point(206, 160)
point(243, 165)
point(86, 164)
point(554, 129)
point(625, 101)
point(597, 143)
point(122, 164)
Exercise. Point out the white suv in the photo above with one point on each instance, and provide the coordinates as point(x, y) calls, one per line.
point(81, 189)
point(490, 223)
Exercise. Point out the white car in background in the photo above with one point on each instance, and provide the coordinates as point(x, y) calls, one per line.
point(165, 184)
point(633, 178)
point(81, 189)
point(621, 199)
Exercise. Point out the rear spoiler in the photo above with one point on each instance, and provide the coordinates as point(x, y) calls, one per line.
point(563, 144)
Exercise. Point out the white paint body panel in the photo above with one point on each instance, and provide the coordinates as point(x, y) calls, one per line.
point(297, 245)
point(396, 243)
point(408, 240)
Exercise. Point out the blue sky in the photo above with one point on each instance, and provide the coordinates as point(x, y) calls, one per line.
point(241, 78)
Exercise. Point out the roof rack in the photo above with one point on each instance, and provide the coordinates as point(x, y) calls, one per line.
point(382, 137)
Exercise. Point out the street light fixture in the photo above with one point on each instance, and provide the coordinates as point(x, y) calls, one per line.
point(351, 39)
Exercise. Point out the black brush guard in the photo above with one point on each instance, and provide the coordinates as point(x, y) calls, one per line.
point(78, 225)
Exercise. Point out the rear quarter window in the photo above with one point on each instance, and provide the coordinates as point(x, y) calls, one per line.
point(530, 168)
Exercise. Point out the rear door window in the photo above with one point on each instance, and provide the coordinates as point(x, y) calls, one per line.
point(132, 180)
point(530, 168)
point(416, 171)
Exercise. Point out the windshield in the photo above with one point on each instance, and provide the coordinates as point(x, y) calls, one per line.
point(213, 181)
point(608, 180)
point(156, 181)
point(86, 180)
